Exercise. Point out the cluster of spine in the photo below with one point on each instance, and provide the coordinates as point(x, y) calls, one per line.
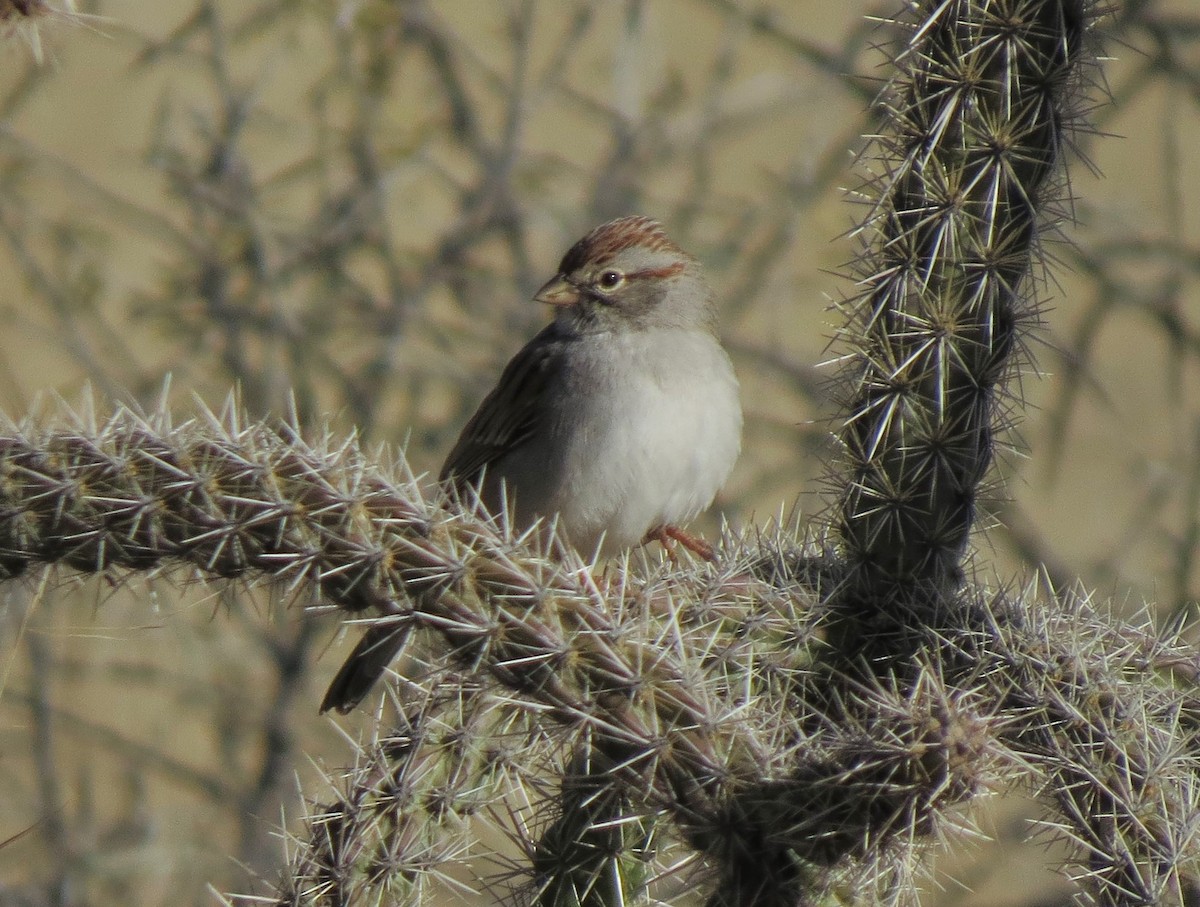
point(23, 16)
point(16, 10)
point(967, 165)
point(1106, 715)
point(400, 827)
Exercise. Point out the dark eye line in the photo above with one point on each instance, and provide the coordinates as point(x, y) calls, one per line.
point(656, 273)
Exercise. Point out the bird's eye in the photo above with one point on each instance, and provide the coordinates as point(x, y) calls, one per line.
point(610, 280)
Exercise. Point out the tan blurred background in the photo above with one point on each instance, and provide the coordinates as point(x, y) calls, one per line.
point(348, 205)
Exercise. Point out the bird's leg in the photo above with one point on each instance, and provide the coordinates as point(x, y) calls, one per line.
point(666, 535)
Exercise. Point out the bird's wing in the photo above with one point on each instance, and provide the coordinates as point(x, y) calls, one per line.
point(506, 419)
point(511, 413)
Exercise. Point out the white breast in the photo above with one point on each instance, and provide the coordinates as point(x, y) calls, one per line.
point(663, 429)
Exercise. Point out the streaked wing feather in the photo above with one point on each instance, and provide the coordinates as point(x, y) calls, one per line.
point(509, 415)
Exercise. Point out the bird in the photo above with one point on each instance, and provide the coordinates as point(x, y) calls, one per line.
point(618, 421)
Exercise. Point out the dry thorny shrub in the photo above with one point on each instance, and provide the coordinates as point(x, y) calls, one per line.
point(342, 211)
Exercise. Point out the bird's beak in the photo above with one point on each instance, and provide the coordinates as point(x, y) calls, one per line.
point(557, 291)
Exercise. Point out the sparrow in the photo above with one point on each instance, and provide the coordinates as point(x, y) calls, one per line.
point(619, 420)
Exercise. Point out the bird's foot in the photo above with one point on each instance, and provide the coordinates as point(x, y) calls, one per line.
point(667, 535)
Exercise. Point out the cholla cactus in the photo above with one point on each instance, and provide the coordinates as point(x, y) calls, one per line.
point(787, 727)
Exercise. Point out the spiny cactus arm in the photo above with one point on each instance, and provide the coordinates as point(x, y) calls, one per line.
point(1107, 713)
point(696, 681)
point(970, 173)
point(861, 774)
point(240, 500)
point(967, 174)
point(404, 819)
